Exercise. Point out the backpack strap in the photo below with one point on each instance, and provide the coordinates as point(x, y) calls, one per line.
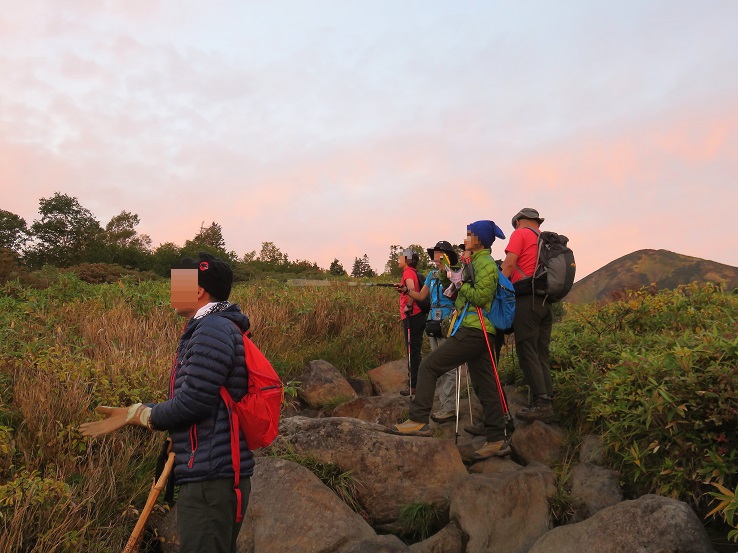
point(460, 319)
point(436, 278)
point(235, 449)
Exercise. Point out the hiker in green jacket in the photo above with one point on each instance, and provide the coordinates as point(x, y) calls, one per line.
point(476, 288)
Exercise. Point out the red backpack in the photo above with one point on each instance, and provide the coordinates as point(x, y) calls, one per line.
point(256, 416)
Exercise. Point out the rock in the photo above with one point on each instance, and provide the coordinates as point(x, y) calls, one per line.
point(394, 471)
point(289, 510)
point(384, 410)
point(539, 442)
point(649, 524)
point(592, 450)
point(323, 384)
point(515, 400)
point(505, 512)
point(390, 378)
point(448, 540)
point(361, 386)
point(378, 544)
point(593, 488)
point(493, 465)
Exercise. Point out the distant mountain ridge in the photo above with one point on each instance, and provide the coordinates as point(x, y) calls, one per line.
point(641, 268)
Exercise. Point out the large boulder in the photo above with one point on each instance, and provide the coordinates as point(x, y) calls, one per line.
point(384, 410)
point(494, 465)
point(390, 378)
point(592, 450)
point(323, 384)
point(593, 488)
point(394, 471)
point(649, 524)
point(504, 512)
point(538, 442)
point(448, 540)
point(289, 509)
point(377, 544)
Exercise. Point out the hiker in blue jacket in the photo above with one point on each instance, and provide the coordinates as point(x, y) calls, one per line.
point(210, 354)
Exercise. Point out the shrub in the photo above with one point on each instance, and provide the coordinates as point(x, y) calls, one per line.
point(656, 374)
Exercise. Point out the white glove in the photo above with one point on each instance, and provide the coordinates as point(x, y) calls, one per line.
point(455, 277)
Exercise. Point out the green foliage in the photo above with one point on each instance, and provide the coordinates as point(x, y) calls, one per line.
point(726, 508)
point(656, 375)
point(66, 233)
point(362, 268)
point(13, 231)
point(420, 520)
point(561, 502)
point(336, 269)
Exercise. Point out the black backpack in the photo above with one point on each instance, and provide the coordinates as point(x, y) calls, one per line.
point(555, 268)
point(424, 305)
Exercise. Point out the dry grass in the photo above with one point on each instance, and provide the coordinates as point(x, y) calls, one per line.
point(73, 346)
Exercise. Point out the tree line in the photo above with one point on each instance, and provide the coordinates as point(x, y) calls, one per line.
point(67, 234)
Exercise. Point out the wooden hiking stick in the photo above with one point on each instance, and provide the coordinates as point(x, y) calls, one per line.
point(134, 542)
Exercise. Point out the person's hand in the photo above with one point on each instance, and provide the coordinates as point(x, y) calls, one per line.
point(117, 417)
point(401, 288)
point(455, 277)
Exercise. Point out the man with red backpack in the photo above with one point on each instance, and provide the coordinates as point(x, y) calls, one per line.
point(210, 355)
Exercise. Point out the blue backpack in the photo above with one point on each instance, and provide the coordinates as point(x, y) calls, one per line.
point(502, 312)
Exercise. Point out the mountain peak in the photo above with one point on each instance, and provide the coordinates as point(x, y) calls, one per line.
point(664, 268)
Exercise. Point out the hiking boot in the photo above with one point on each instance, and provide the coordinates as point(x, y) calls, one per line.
point(412, 428)
point(492, 449)
point(475, 429)
point(443, 416)
point(539, 411)
point(408, 391)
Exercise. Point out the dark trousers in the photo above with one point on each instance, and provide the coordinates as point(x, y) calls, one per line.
point(416, 325)
point(206, 515)
point(533, 321)
point(466, 346)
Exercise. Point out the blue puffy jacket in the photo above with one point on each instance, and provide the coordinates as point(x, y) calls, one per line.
point(210, 354)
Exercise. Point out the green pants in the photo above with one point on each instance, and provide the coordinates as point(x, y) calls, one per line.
point(206, 515)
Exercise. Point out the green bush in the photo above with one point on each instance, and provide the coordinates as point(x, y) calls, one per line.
point(656, 375)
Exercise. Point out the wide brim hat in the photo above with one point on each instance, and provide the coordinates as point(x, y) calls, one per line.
point(527, 213)
point(446, 248)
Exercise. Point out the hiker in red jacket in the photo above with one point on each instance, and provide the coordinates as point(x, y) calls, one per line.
point(413, 319)
point(210, 355)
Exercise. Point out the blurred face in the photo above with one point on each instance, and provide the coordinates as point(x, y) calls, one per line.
point(184, 295)
point(471, 242)
point(401, 261)
point(438, 258)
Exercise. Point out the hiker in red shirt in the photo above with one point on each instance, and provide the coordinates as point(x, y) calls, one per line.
point(413, 319)
point(533, 318)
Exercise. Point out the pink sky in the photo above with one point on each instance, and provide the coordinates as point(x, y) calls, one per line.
point(339, 130)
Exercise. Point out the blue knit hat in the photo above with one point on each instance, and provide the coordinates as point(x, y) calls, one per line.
point(486, 231)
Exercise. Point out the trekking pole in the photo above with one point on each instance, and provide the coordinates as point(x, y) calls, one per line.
point(458, 402)
point(409, 370)
point(134, 542)
point(500, 391)
point(468, 397)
